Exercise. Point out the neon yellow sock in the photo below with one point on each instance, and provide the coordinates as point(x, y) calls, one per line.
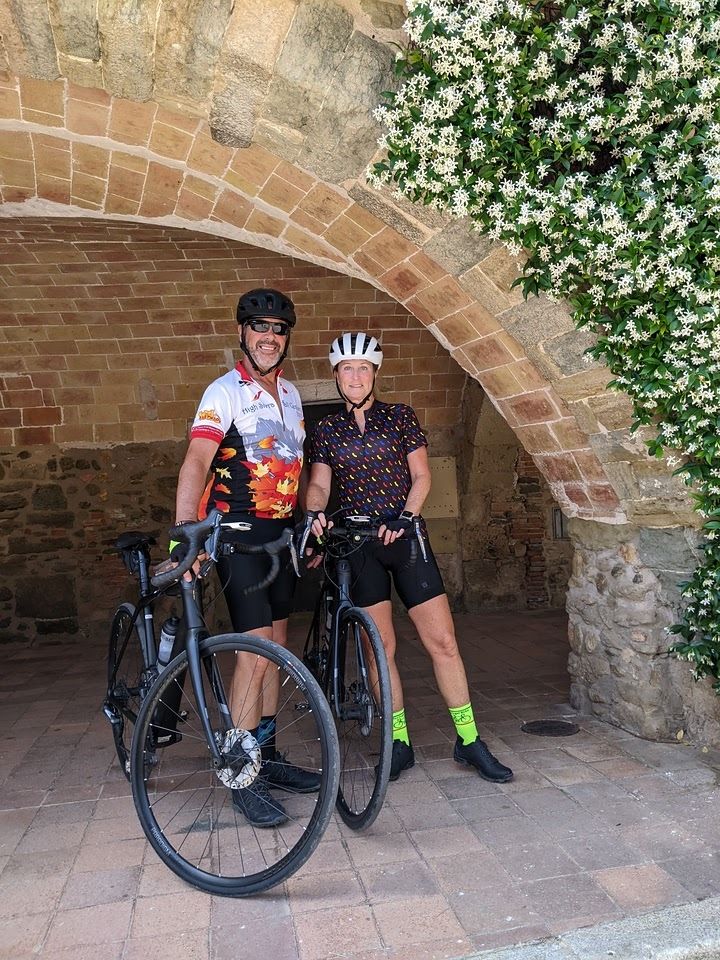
point(400, 730)
point(464, 721)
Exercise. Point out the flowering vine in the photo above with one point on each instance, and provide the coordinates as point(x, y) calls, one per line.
point(588, 133)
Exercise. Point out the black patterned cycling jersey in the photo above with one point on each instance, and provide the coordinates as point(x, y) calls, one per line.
point(256, 468)
point(370, 468)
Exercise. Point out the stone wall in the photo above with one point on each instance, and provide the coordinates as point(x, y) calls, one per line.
point(61, 511)
point(623, 596)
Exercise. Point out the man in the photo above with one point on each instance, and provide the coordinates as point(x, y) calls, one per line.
point(248, 435)
point(377, 453)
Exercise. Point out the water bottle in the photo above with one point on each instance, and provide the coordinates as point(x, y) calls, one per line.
point(168, 634)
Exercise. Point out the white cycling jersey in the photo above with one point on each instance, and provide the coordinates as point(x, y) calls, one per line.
point(256, 469)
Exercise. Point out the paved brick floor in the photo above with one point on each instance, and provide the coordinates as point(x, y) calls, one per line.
point(594, 827)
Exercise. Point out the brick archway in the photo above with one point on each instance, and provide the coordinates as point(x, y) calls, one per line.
point(69, 150)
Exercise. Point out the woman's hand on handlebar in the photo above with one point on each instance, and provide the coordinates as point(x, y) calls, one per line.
point(392, 529)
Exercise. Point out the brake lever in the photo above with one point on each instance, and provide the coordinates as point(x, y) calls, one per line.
point(294, 556)
point(417, 529)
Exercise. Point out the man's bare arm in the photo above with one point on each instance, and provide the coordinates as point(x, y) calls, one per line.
point(193, 477)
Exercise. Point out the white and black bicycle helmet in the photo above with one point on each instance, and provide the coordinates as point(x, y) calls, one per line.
point(355, 346)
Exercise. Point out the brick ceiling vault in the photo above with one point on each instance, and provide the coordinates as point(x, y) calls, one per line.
point(71, 150)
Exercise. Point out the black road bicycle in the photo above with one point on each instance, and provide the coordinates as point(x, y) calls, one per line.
point(195, 735)
point(345, 652)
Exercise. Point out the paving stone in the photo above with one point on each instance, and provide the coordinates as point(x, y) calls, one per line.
point(416, 920)
point(121, 853)
point(327, 933)
point(698, 873)
point(317, 891)
point(90, 925)
point(398, 881)
point(22, 936)
point(170, 913)
point(100, 886)
point(446, 841)
point(537, 861)
point(191, 945)
point(639, 887)
point(574, 900)
point(593, 850)
point(250, 939)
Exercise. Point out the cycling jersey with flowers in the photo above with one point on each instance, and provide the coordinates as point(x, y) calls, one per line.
point(256, 468)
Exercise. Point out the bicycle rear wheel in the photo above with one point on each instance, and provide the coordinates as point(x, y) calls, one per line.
point(363, 717)
point(186, 806)
point(128, 681)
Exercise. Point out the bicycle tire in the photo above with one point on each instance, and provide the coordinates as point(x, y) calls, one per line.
point(128, 681)
point(187, 812)
point(363, 720)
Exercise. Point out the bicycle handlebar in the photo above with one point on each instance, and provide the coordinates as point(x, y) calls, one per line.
point(360, 531)
point(205, 535)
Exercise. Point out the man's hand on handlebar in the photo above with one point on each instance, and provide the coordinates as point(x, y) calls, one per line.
point(310, 537)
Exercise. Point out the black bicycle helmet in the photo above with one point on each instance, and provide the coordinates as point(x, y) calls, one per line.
point(265, 303)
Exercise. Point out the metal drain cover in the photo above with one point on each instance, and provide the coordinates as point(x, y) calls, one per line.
point(550, 728)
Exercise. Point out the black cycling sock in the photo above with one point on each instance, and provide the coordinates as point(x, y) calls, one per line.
point(265, 736)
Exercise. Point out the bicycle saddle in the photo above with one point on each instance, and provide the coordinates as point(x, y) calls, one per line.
point(132, 539)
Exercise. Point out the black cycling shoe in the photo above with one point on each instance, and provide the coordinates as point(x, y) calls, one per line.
point(476, 754)
point(278, 773)
point(403, 757)
point(258, 807)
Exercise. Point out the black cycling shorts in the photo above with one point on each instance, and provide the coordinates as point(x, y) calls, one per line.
point(257, 608)
point(374, 564)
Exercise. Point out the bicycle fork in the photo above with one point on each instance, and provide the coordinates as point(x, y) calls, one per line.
point(197, 631)
point(345, 702)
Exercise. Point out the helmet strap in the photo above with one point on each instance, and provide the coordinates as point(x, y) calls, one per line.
point(256, 368)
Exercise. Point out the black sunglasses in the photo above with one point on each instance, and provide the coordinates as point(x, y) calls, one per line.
point(264, 326)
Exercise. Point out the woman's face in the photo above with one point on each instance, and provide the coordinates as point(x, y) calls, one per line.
point(355, 378)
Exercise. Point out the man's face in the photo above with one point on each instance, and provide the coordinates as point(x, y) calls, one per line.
point(264, 344)
point(355, 378)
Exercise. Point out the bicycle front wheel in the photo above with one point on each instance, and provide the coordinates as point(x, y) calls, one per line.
point(363, 715)
point(203, 822)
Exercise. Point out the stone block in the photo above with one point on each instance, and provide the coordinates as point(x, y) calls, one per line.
point(75, 28)
point(489, 352)
point(187, 46)
point(579, 386)
point(306, 68)
point(458, 247)
point(28, 40)
point(384, 14)
point(127, 42)
point(391, 211)
point(616, 446)
point(87, 73)
point(55, 601)
point(341, 139)
point(49, 497)
point(568, 352)
point(481, 287)
point(673, 549)
point(613, 410)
